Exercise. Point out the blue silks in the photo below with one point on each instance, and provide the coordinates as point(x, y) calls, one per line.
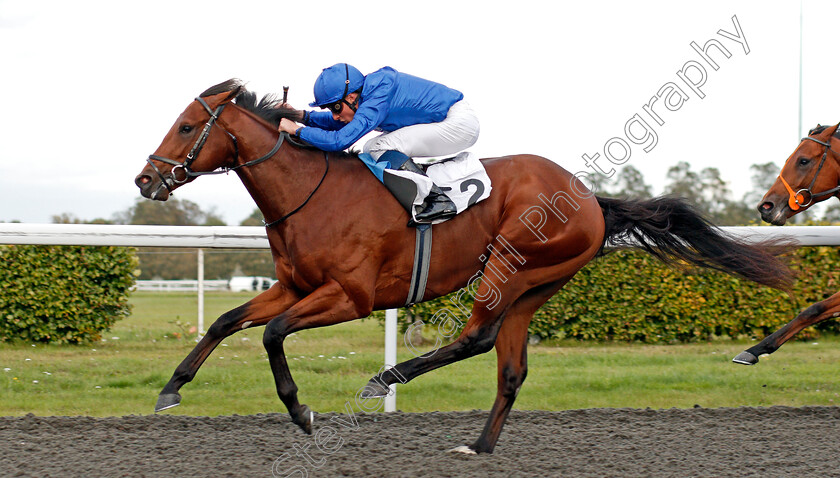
point(389, 160)
point(377, 168)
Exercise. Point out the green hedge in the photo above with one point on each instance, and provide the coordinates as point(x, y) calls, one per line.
point(63, 294)
point(630, 296)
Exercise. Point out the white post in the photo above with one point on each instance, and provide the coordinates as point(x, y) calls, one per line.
point(391, 355)
point(200, 293)
point(800, 132)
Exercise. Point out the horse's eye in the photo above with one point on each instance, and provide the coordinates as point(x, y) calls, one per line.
point(185, 129)
point(804, 161)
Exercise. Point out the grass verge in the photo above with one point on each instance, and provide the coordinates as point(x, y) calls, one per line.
point(123, 373)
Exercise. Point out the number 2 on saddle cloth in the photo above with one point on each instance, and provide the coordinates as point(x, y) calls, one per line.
point(461, 177)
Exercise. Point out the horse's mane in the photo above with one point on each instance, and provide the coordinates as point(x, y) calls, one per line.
point(268, 107)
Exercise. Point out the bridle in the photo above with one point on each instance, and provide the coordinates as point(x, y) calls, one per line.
point(797, 200)
point(171, 179)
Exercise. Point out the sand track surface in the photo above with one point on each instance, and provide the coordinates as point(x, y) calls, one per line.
point(737, 442)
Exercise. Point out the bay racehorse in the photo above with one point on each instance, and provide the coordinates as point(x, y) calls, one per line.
point(810, 175)
point(341, 248)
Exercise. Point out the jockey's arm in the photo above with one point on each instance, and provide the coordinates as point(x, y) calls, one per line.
point(338, 140)
point(372, 111)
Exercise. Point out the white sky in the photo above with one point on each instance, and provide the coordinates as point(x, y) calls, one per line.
point(90, 88)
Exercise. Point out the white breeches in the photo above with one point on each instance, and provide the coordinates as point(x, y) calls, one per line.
point(457, 132)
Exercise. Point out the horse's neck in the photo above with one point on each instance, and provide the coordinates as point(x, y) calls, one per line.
point(284, 181)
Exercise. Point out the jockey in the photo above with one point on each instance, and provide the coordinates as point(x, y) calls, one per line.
point(418, 118)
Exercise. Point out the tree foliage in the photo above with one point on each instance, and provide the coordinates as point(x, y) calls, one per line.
point(710, 193)
point(763, 176)
point(69, 218)
point(705, 189)
point(628, 182)
point(178, 263)
point(255, 219)
point(172, 212)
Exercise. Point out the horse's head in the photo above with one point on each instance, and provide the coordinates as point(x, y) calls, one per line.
point(810, 175)
point(195, 144)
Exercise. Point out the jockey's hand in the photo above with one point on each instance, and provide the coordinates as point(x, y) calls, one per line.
point(288, 126)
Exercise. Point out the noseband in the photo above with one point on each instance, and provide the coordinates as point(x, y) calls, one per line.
point(171, 179)
point(797, 200)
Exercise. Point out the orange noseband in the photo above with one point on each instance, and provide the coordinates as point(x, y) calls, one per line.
point(795, 200)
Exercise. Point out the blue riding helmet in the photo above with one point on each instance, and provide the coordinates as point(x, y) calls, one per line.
point(335, 82)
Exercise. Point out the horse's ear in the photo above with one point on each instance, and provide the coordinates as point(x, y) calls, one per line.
point(233, 94)
point(232, 87)
point(816, 129)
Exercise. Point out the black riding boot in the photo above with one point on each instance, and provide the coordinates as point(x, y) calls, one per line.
point(437, 204)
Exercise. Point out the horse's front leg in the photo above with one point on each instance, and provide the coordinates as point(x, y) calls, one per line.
point(814, 314)
point(258, 311)
point(327, 305)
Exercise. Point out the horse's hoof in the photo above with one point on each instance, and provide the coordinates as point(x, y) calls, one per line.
point(746, 358)
point(304, 419)
point(167, 400)
point(374, 389)
point(463, 449)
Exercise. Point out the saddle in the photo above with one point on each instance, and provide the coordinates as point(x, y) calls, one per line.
point(461, 177)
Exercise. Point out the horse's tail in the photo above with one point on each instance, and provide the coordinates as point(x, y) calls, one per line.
point(673, 231)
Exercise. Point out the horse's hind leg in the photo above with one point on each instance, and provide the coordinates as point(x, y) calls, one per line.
point(258, 311)
point(814, 314)
point(512, 364)
point(327, 305)
point(478, 337)
point(491, 303)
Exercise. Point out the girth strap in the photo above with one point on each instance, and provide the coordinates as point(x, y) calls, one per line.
point(420, 271)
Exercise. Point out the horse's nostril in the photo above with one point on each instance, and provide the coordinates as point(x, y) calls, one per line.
point(766, 206)
point(142, 180)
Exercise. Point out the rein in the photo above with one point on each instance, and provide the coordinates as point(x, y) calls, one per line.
point(286, 216)
point(797, 200)
point(171, 179)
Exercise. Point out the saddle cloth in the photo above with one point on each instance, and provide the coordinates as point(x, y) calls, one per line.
point(462, 177)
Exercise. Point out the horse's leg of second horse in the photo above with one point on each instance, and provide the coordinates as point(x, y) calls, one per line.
point(257, 311)
point(814, 314)
point(326, 305)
